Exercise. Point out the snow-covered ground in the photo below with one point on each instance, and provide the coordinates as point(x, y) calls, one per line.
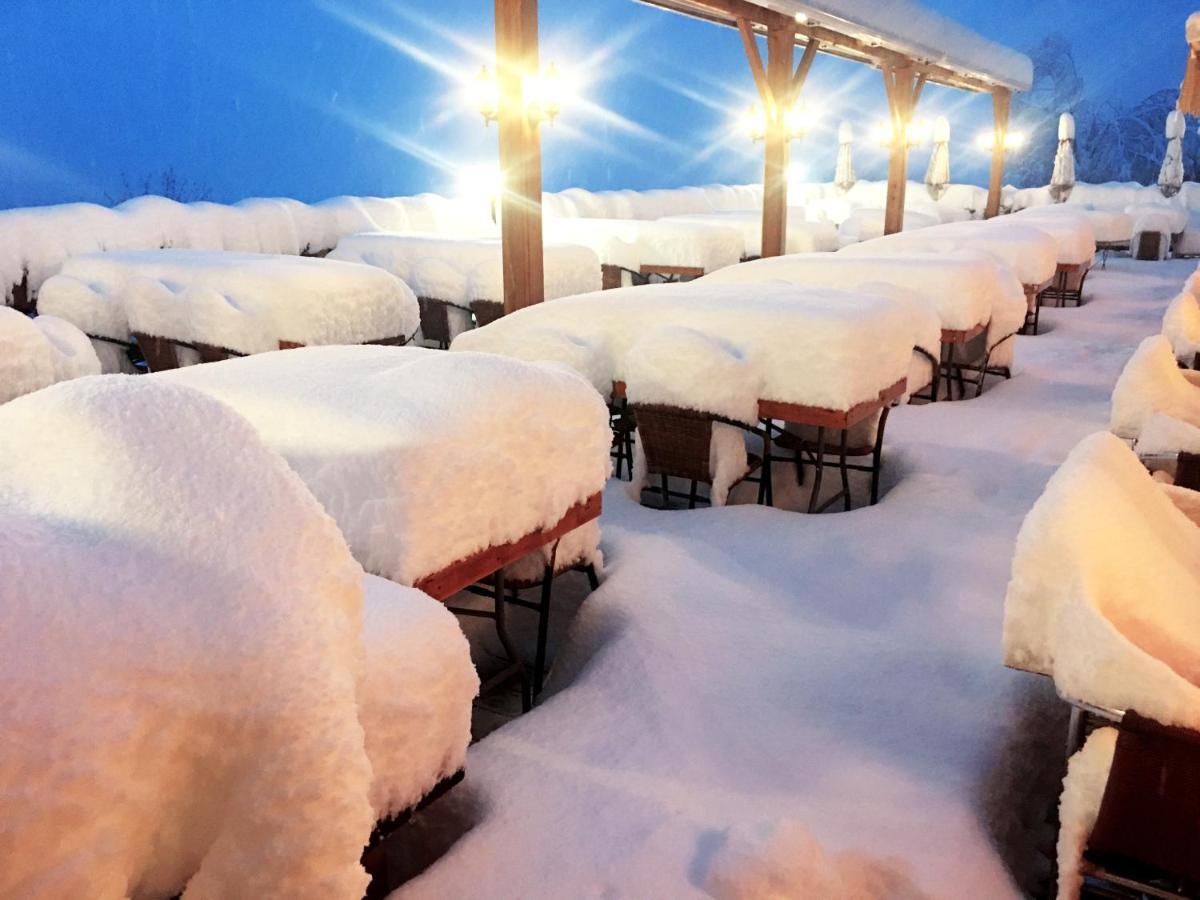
point(748, 679)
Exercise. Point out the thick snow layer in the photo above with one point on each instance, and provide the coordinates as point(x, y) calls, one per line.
point(1153, 223)
point(1079, 806)
point(812, 346)
point(422, 457)
point(1150, 383)
point(653, 204)
point(1175, 215)
point(1181, 326)
point(1103, 536)
point(580, 547)
point(964, 289)
point(1108, 225)
point(35, 353)
point(632, 243)
point(803, 236)
point(460, 270)
point(178, 657)
point(913, 29)
point(1029, 252)
point(1161, 435)
point(867, 224)
point(240, 301)
point(415, 696)
point(1073, 234)
point(725, 645)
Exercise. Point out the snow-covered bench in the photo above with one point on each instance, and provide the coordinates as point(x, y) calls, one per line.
point(803, 236)
point(827, 358)
point(981, 305)
point(440, 470)
point(455, 277)
point(638, 250)
point(194, 689)
point(1150, 383)
point(189, 305)
point(38, 352)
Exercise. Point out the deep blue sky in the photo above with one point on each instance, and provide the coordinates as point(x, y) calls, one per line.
point(311, 98)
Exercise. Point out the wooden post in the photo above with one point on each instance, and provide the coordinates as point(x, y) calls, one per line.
point(520, 155)
point(903, 91)
point(1001, 104)
point(781, 42)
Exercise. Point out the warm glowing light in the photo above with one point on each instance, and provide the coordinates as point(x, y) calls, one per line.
point(797, 177)
point(480, 182)
point(798, 120)
point(1013, 140)
point(484, 93)
point(801, 18)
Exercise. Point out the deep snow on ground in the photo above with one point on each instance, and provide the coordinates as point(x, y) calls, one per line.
point(746, 671)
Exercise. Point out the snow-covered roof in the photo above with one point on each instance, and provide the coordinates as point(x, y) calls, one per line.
point(868, 30)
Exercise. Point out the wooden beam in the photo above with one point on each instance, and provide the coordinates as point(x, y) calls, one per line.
point(1001, 104)
point(750, 45)
point(806, 61)
point(903, 85)
point(520, 155)
point(781, 43)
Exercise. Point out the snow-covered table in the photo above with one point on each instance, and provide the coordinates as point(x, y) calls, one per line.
point(647, 248)
point(826, 358)
point(38, 352)
point(803, 236)
point(976, 300)
point(188, 305)
point(439, 469)
point(1153, 383)
point(465, 273)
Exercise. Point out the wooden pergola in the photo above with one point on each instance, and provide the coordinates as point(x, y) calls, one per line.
point(779, 80)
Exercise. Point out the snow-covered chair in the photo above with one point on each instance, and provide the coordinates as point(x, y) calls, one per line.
point(1151, 236)
point(38, 352)
point(1181, 326)
point(1150, 383)
point(184, 306)
point(189, 699)
point(693, 397)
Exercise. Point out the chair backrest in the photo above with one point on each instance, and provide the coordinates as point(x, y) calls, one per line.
point(435, 323)
point(486, 311)
point(676, 441)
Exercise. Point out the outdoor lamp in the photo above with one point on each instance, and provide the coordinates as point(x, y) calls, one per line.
point(1013, 140)
point(798, 119)
point(754, 122)
point(484, 91)
point(916, 132)
point(543, 93)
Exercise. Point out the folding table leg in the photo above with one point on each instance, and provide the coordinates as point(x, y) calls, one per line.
point(506, 641)
point(539, 659)
point(818, 470)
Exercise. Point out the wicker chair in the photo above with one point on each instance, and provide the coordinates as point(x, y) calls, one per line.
point(435, 321)
point(677, 443)
point(810, 444)
point(486, 311)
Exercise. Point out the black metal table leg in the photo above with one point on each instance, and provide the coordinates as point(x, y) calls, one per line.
point(539, 658)
point(818, 470)
point(845, 471)
point(506, 642)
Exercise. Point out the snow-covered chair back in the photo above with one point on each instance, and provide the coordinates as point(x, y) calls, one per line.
point(179, 656)
point(1150, 383)
point(35, 353)
point(1103, 556)
point(702, 393)
point(1181, 326)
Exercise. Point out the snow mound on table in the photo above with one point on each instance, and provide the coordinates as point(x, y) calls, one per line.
point(1073, 234)
point(579, 547)
point(867, 224)
point(1109, 226)
point(244, 302)
point(554, 345)
point(35, 353)
point(1102, 528)
point(782, 859)
point(803, 235)
point(1030, 253)
point(415, 696)
point(178, 658)
point(460, 270)
point(1164, 435)
point(1174, 218)
point(816, 347)
point(633, 243)
point(1079, 806)
point(1150, 383)
point(422, 457)
point(1181, 326)
point(965, 290)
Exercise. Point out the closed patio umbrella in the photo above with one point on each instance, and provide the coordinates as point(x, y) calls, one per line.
point(937, 176)
point(1170, 176)
point(843, 176)
point(1063, 178)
